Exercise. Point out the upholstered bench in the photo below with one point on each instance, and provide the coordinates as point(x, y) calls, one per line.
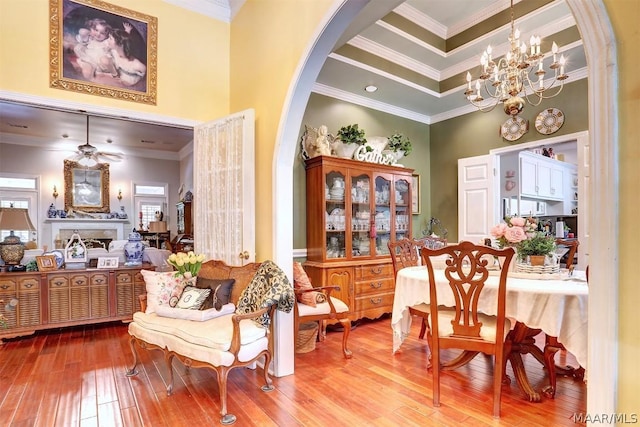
point(221, 343)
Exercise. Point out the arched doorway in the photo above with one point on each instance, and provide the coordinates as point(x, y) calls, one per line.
point(602, 74)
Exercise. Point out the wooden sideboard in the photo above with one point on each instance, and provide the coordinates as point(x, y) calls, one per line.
point(61, 298)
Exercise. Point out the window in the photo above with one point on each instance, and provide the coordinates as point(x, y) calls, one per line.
point(149, 199)
point(20, 192)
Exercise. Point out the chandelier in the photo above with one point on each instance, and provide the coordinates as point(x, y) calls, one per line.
point(519, 73)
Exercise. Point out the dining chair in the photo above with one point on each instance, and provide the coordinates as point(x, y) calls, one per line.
point(405, 253)
point(464, 327)
point(573, 248)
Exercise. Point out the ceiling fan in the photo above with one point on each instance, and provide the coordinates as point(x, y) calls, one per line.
point(88, 155)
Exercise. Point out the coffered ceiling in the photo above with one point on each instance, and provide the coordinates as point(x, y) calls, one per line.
point(416, 53)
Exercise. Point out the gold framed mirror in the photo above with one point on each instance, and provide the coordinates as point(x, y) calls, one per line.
point(86, 189)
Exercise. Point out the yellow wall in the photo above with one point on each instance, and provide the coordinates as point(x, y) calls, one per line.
point(266, 45)
point(193, 59)
point(624, 16)
point(267, 42)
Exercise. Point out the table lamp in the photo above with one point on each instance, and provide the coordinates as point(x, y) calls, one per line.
point(12, 249)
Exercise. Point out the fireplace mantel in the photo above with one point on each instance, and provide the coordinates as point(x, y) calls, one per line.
point(62, 228)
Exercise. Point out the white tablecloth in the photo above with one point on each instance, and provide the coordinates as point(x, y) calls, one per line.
point(558, 307)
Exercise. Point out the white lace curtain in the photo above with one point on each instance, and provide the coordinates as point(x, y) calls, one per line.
point(218, 185)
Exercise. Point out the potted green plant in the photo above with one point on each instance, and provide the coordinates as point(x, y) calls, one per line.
point(399, 143)
point(352, 137)
point(536, 248)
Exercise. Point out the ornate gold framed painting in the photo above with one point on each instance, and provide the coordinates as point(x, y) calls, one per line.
point(102, 49)
point(86, 189)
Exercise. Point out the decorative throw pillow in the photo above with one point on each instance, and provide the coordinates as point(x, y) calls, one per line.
point(194, 315)
point(163, 288)
point(220, 291)
point(192, 298)
point(301, 281)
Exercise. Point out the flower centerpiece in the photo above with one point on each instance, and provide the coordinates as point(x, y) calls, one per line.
point(523, 235)
point(187, 265)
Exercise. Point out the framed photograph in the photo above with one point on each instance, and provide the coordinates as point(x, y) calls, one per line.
point(86, 188)
point(46, 262)
point(107, 262)
point(415, 194)
point(103, 49)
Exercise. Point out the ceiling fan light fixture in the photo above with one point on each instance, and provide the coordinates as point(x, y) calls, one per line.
point(87, 162)
point(519, 71)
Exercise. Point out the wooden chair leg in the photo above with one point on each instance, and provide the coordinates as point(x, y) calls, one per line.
point(168, 357)
point(133, 371)
point(226, 419)
point(346, 326)
point(423, 327)
point(268, 384)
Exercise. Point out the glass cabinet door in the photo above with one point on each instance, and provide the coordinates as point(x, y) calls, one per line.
point(335, 215)
point(402, 204)
point(383, 190)
point(360, 215)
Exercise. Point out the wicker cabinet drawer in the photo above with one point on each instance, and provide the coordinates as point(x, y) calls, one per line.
point(99, 279)
point(124, 277)
point(7, 285)
point(29, 284)
point(58, 281)
point(374, 271)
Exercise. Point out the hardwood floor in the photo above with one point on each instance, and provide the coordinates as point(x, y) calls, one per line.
point(75, 377)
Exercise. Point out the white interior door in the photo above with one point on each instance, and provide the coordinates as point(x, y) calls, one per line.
point(224, 171)
point(476, 204)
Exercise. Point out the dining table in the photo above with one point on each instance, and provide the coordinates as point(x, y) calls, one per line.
point(555, 304)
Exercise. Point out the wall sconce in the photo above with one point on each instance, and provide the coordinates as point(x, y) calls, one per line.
point(55, 192)
point(119, 194)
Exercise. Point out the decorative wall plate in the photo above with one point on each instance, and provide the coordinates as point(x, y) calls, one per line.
point(549, 121)
point(514, 128)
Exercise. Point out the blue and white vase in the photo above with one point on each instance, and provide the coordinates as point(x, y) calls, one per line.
point(134, 249)
point(51, 213)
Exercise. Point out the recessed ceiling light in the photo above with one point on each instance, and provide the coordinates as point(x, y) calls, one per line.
point(371, 88)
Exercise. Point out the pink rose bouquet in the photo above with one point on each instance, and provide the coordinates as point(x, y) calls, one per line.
point(514, 230)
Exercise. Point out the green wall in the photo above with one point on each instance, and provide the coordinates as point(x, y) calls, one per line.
point(476, 133)
point(334, 114)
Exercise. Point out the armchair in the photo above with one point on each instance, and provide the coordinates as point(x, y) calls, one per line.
point(315, 304)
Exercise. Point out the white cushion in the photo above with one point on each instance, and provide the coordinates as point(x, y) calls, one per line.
point(194, 315)
point(195, 351)
point(155, 256)
point(97, 252)
point(215, 333)
point(487, 332)
point(322, 308)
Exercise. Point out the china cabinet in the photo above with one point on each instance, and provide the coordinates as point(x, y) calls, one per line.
point(183, 219)
point(353, 210)
point(53, 299)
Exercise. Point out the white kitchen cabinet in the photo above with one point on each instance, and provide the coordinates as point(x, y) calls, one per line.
point(540, 177)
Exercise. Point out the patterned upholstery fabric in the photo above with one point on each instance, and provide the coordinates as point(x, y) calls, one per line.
point(269, 286)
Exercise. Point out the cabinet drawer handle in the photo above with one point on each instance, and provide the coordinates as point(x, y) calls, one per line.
point(28, 285)
point(99, 281)
point(59, 283)
point(376, 270)
point(79, 282)
point(375, 285)
point(375, 300)
point(5, 287)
